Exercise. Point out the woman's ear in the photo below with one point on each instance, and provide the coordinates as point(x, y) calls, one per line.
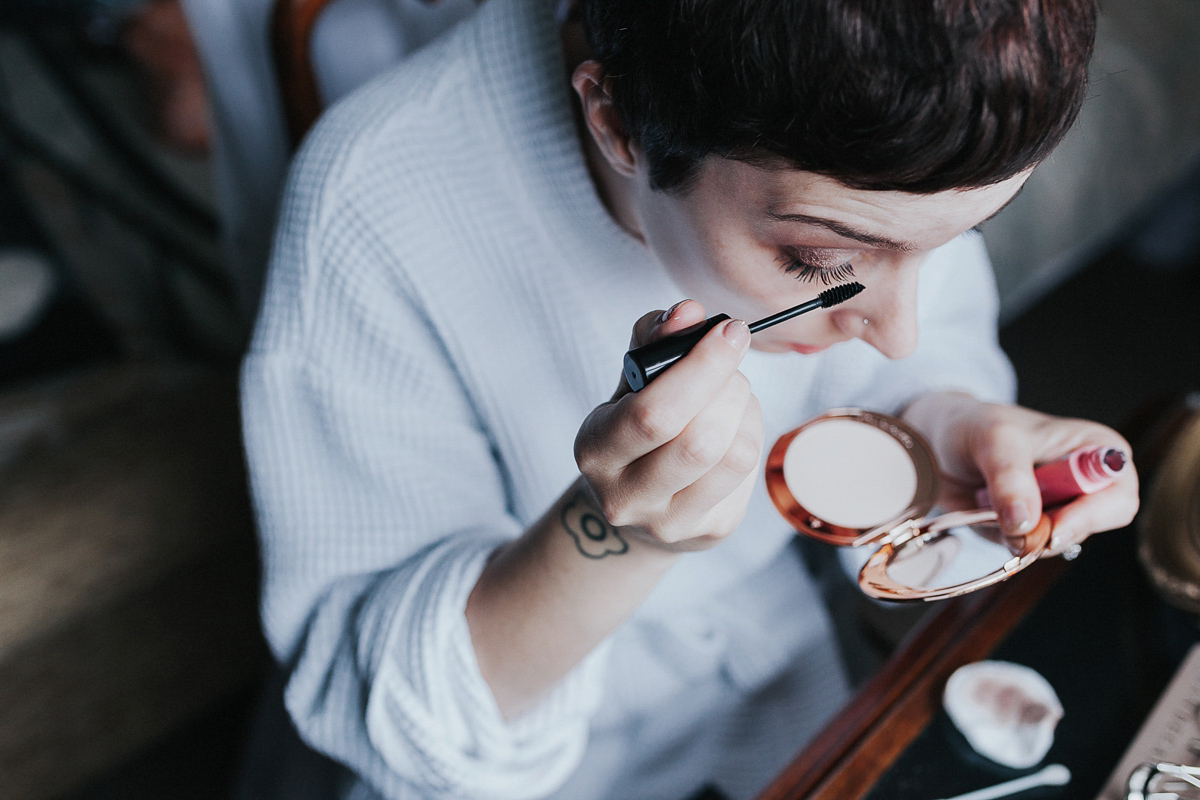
point(602, 120)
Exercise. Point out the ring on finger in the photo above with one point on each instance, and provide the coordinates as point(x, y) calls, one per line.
point(1071, 552)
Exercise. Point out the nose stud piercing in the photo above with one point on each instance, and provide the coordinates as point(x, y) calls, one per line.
point(866, 321)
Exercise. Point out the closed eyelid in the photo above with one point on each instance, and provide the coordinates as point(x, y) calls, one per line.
point(819, 257)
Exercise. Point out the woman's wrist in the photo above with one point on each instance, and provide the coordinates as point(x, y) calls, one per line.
point(547, 598)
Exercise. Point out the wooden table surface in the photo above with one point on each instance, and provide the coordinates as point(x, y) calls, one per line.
point(862, 742)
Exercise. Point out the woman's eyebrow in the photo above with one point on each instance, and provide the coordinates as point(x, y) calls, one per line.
point(869, 238)
point(846, 231)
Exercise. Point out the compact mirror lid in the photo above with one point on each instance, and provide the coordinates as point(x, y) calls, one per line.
point(849, 476)
point(951, 555)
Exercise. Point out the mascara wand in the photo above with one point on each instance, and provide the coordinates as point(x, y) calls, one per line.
point(643, 364)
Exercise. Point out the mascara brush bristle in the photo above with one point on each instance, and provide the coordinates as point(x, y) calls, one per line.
point(840, 293)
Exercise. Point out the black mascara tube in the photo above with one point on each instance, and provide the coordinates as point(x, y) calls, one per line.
point(643, 364)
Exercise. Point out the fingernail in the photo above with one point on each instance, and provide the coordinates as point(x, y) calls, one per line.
point(736, 333)
point(666, 315)
point(1015, 517)
point(1061, 541)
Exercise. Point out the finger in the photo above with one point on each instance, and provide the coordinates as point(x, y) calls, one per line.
point(1005, 459)
point(1108, 509)
point(657, 324)
point(649, 419)
point(697, 449)
point(1071, 434)
point(738, 465)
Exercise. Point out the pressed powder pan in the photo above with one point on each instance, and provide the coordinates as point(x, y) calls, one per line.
point(854, 478)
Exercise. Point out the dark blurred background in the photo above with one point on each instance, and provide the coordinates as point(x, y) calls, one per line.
point(130, 654)
point(130, 651)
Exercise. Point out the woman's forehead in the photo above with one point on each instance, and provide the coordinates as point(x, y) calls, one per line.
point(898, 220)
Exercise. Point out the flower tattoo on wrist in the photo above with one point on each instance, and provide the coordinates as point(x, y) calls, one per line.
point(594, 536)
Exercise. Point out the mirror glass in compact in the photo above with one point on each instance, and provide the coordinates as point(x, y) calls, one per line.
point(855, 478)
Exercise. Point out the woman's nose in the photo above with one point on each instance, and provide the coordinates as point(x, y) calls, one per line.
point(885, 314)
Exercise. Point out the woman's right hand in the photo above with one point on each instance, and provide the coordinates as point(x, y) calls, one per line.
point(674, 464)
point(671, 466)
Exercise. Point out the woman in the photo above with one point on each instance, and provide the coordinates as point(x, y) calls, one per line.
point(490, 576)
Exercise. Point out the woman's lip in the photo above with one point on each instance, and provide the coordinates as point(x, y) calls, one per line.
point(808, 349)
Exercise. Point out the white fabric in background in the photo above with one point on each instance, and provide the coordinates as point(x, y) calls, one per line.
point(27, 283)
point(354, 40)
point(448, 300)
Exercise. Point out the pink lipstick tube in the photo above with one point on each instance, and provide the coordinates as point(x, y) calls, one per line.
point(1082, 471)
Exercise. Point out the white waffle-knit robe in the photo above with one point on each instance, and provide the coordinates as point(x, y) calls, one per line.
point(447, 301)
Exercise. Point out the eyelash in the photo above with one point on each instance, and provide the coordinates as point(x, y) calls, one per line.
point(803, 271)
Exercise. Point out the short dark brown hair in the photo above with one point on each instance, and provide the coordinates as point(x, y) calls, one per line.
point(918, 96)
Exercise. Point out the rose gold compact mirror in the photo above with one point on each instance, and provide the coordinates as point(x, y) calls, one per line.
point(859, 479)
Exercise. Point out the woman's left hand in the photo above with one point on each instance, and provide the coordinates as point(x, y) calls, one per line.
point(996, 445)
